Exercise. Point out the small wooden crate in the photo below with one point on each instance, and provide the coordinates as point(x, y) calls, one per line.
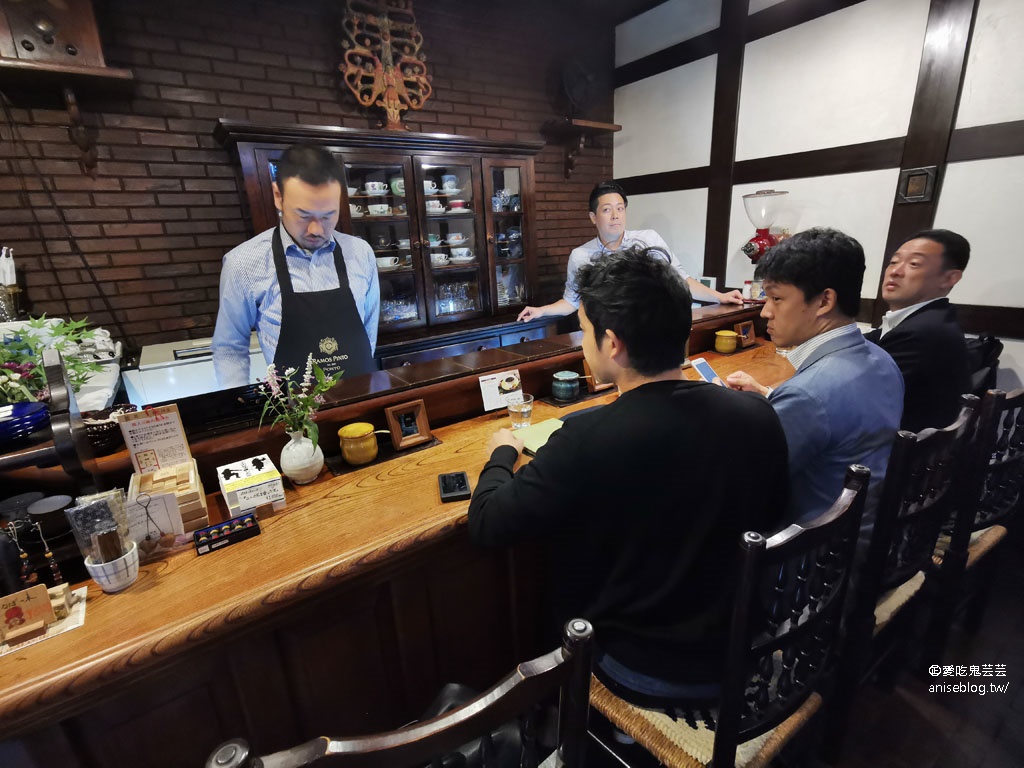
point(183, 481)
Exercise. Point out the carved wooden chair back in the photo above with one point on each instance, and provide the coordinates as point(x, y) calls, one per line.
point(1000, 453)
point(785, 626)
point(565, 670)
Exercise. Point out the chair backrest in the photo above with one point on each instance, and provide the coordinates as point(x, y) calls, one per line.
point(786, 617)
point(516, 697)
point(1000, 457)
point(923, 483)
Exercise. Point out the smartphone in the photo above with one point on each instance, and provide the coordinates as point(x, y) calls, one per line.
point(701, 366)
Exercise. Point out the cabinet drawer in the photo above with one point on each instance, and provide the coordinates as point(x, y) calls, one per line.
point(532, 334)
point(423, 355)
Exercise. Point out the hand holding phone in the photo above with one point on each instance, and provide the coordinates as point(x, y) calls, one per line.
point(703, 367)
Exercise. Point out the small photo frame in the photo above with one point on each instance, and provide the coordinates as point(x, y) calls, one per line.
point(593, 385)
point(748, 337)
point(408, 424)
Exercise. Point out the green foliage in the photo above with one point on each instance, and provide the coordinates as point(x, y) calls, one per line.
point(294, 403)
point(22, 377)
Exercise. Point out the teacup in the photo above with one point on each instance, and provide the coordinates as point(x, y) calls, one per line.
point(429, 186)
point(565, 386)
point(355, 210)
point(439, 259)
point(434, 239)
point(353, 191)
point(403, 242)
point(398, 185)
point(435, 206)
point(457, 205)
point(450, 181)
point(456, 238)
point(387, 261)
point(376, 187)
point(462, 253)
point(379, 209)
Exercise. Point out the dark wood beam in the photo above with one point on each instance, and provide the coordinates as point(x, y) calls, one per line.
point(723, 136)
point(675, 56)
point(985, 141)
point(666, 181)
point(791, 13)
point(853, 158)
point(932, 117)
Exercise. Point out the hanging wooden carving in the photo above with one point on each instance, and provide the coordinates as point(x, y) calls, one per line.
point(384, 64)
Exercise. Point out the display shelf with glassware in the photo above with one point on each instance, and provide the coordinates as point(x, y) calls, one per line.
point(439, 211)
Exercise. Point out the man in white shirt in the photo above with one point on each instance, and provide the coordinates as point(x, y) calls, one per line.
point(608, 213)
point(921, 331)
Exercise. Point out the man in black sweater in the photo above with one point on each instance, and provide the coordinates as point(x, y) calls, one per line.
point(921, 331)
point(642, 502)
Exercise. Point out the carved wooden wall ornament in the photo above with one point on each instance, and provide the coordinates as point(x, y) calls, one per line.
point(384, 64)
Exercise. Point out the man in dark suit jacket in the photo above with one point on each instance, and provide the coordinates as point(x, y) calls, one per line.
point(921, 331)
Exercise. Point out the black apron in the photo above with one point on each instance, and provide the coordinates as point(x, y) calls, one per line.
point(325, 323)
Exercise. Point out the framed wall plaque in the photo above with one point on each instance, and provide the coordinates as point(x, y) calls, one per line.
point(408, 424)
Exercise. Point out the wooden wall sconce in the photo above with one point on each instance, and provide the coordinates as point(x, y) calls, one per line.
point(384, 64)
point(575, 134)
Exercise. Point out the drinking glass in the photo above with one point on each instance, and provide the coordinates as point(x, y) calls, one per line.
point(521, 412)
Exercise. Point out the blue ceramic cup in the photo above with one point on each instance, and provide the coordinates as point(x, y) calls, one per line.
point(565, 386)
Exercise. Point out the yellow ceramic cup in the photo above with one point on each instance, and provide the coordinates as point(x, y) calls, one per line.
point(725, 342)
point(358, 443)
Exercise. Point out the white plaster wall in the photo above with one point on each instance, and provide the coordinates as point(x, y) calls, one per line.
point(1011, 365)
point(981, 200)
point(666, 120)
point(664, 26)
point(858, 204)
point(993, 91)
point(679, 217)
point(760, 5)
point(844, 78)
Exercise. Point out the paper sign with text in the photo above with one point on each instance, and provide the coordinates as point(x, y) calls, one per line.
point(500, 389)
point(155, 438)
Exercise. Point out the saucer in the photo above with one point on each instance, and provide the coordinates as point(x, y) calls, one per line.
point(449, 191)
point(357, 215)
point(457, 243)
point(462, 259)
point(436, 213)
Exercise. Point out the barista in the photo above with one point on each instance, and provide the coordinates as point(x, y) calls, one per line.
point(304, 287)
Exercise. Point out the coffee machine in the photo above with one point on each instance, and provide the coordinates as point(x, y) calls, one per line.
point(762, 208)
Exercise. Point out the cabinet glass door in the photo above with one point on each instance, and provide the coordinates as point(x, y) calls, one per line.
point(507, 242)
point(456, 288)
point(380, 213)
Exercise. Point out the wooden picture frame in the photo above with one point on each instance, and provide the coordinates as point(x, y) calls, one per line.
point(747, 334)
point(593, 385)
point(408, 424)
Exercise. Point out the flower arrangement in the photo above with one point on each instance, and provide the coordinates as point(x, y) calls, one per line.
point(22, 378)
point(294, 403)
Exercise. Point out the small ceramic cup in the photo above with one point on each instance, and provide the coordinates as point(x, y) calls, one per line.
point(118, 574)
point(457, 205)
point(725, 342)
point(435, 206)
point(379, 209)
point(429, 186)
point(376, 187)
point(439, 259)
point(387, 261)
point(462, 253)
point(358, 443)
point(565, 386)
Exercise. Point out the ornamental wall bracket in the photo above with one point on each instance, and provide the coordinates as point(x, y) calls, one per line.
point(383, 62)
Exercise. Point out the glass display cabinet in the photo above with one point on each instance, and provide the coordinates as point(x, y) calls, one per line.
point(450, 218)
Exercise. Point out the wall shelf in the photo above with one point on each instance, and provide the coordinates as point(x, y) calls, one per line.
point(575, 133)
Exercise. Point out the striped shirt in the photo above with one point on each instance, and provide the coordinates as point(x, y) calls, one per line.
point(799, 354)
point(250, 296)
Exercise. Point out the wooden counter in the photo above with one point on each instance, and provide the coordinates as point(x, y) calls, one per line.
point(346, 615)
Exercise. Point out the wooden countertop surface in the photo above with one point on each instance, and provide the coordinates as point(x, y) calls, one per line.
point(331, 531)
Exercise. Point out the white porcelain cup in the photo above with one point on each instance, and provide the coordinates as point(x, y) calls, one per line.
point(403, 242)
point(353, 191)
point(379, 209)
point(117, 574)
point(439, 259)
point(462, 253)
point(387, 261)
point(355, 210)
point(376, 187)
point(429, 186)
point(456, 238)
point(450, 181)
point(435, 206)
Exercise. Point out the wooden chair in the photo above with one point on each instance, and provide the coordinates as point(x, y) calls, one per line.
point(785, 625)
point(517, 696)
point(992, 497)
point(924, 482)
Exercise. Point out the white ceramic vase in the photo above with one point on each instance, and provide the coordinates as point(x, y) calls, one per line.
point(300, 461)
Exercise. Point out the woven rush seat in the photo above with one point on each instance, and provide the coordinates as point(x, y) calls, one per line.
point(675, 743)
point(892, 601)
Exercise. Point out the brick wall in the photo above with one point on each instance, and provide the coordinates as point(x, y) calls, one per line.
point(167, 202)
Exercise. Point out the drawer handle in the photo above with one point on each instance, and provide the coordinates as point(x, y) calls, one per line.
point(523, 339)
point(481, 348)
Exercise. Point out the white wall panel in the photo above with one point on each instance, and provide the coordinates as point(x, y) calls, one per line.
point(844, 78)
point(1011, 366)
point(982, 201)
point(666, 120)
point(760, 5)
point(858, 204)
point(679, 217)
point(992, 91)
point(664, 26)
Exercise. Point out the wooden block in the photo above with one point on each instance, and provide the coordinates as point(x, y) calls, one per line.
point(195, 525)
point(25, 632)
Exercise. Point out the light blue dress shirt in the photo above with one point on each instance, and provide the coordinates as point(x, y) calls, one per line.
point(250, 296)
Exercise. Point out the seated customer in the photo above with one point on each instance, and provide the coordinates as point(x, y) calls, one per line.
point(843, 405)
point(639, 501)
point(921, 331)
